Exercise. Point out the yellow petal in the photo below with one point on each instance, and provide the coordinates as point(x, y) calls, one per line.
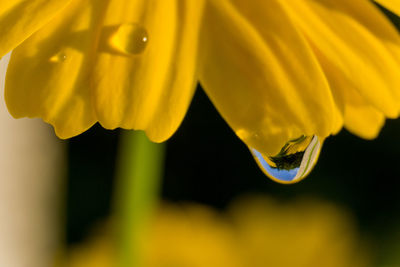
point(363, 120)
point(20, 18)
point(49, 74)
point(358, 42)
point(87, 60)
point(262, 76)
point(147, 88)
point(359, 116)
point(393, 5)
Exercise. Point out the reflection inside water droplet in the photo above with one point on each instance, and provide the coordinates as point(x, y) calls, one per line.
point(130, 39)
point(59, 57)
point(294, 162)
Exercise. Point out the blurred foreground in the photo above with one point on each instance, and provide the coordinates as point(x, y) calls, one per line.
point(253, 232)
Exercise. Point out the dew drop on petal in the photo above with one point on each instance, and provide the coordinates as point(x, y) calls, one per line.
point(59, 57)
point(294, 162)
point(130, 39)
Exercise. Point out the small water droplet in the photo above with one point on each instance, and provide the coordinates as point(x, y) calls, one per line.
point(59, 57)
point(294, 162)
point(130, 39)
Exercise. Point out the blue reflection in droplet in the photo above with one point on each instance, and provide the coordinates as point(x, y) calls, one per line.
point(283, 175)
point(294, 162)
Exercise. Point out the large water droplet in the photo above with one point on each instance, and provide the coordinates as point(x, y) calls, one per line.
point(294, 162)
point(130, 39)
point(59, 57)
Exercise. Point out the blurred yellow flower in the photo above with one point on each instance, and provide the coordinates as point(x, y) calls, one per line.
point(275, 70)
point(255, 232)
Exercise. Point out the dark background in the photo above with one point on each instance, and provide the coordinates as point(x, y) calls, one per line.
point(207, 163)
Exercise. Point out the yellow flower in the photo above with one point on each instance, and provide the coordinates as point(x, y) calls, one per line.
point(255, 232)
point(275, 70)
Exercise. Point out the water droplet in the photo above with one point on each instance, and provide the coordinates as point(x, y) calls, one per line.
point(130, 39)
point(59, 57)
point(293, 163)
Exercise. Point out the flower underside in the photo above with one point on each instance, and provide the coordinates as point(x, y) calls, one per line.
point(275, 70)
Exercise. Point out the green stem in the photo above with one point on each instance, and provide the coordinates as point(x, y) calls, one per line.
point(139, 175)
